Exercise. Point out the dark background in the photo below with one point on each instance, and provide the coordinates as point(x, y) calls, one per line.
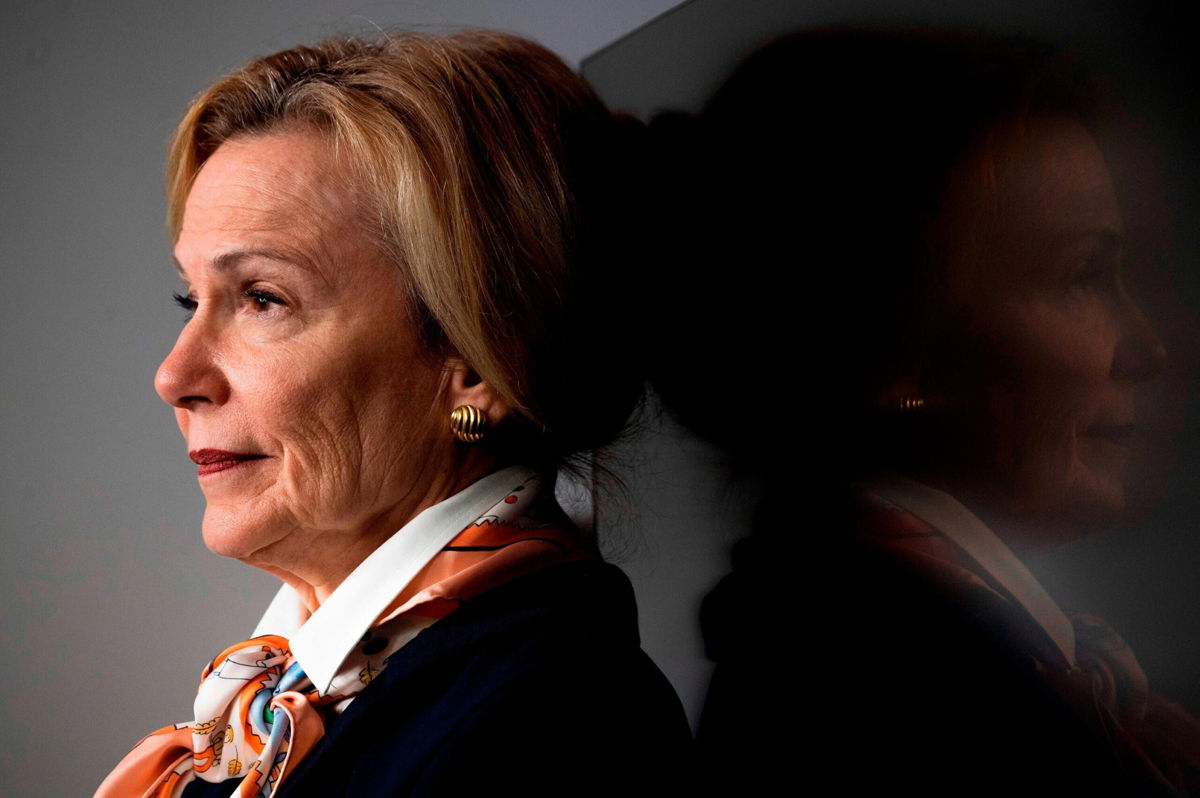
point(1141, 577)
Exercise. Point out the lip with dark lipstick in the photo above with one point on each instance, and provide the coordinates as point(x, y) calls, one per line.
point(210, 461)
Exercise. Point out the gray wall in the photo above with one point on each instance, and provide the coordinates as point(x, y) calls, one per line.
point(112, 604)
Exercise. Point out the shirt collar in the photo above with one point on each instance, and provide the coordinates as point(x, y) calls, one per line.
point(322, 641)
point(943, 512)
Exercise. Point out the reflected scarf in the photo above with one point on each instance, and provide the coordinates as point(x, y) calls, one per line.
point(257, 714)
point(1155, 740)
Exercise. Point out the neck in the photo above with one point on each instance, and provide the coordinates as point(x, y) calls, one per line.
point(314, 562)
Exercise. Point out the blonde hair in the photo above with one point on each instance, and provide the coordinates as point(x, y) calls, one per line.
point(487, 162)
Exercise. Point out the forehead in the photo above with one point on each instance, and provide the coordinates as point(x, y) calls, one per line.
point(283, 186)
point(1023, 212)
point(1057, 180)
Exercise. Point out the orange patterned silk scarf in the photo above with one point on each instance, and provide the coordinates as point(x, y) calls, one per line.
point(257, 714)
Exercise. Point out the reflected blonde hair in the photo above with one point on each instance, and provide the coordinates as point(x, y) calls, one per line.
point(476, 154)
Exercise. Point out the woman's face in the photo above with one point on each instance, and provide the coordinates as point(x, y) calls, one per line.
point(1059, 344)
point(297, 379)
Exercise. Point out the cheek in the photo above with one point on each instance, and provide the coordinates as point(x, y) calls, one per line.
point(319, 433)
point(1057, 368)
point(349, 429)
point(394, 411)
point(1061, 360)
point(1044, 446)
point(1027, 439)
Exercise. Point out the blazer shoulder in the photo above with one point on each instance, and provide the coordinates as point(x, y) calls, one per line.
point(548, 666)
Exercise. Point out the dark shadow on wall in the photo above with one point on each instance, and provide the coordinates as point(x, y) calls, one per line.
point(795, 294)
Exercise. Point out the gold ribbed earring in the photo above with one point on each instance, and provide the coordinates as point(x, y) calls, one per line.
point(468, 423)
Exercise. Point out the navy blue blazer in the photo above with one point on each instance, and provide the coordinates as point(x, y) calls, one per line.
point(886, 682)
point(535, 687)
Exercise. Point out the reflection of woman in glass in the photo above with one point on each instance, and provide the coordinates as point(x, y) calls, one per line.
point(941, 251)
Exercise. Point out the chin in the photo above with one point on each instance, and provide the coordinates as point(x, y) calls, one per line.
point(237, 535)
point(1085, 511)
point(1052, 516)
point(1097, 507)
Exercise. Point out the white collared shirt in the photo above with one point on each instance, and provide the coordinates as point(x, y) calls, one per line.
point(322, 641)
point(949, 517)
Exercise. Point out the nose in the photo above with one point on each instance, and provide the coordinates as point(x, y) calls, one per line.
point(190, 376)
point(1140, 354)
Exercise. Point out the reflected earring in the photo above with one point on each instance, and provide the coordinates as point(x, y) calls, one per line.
point(468, 423)
point(906, 403)
point(904, 395)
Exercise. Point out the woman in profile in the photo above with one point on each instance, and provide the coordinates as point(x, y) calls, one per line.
point(395, 334)
point(930, 306)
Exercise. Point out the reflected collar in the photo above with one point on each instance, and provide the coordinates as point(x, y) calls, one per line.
point(949, 517)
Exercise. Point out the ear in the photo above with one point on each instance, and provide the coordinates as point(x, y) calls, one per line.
point(464, 386)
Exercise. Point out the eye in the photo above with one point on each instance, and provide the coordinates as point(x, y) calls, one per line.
point(185, 302)
point(1098, 274)
point(1101, 266)
point(1090, 275)
point(262, 300)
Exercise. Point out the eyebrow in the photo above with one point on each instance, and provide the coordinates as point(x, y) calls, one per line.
point(1106, 235)
point(228, 261)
